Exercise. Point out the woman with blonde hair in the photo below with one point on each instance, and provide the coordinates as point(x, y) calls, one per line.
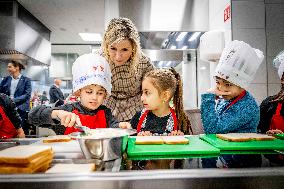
point(121, 48)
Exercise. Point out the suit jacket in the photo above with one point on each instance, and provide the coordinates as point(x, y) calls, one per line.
point(22, 94)
point(56, 96)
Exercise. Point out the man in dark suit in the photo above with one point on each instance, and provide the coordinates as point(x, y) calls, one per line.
point(55, 94)
point(19, 88)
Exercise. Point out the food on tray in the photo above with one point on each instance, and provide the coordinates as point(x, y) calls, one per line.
point(161, 140)
point(175, 140)
point(104, 133)
point(149, 140)
point(57, 138)
point(243, 137)
point(72, 168)
point(23, 154)
point(25, 159)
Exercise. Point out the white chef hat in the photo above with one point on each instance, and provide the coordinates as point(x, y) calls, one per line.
point(90, 69)
point(278, 62)
point(238, 63)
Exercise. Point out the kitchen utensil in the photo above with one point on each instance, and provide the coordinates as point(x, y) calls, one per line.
point(104, 143)
point(85, 129)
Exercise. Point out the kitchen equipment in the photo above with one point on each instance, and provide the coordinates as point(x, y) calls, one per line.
point(104, 143)
point(85, 129)
point(275, 144)
point(194, 147)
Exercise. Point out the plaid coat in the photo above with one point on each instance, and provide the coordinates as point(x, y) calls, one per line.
point(125, 99)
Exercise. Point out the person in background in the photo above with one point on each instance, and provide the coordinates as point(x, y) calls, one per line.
point(18, 88)
point(92, 83)
point(43, 98)
point(272, 112)
point(271, 109)
point(229, 107)
point(35, 99)
point(121, 47)
point(159, 86)
point(10, 120)
point(55, 93)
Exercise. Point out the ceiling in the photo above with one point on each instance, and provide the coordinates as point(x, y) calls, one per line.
point(67, 18)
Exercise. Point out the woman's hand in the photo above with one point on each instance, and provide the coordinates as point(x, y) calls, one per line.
point(176, 132)
point(145, 133)
point(20, 133)
point(125, 125)
point(273, 132)
point(68, 119)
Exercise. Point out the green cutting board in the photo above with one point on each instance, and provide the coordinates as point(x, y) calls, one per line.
point(275, 144)
point(195, 146)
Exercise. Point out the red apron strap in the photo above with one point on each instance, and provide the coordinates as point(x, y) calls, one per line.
point(279, 106)
point(147, 111)
point(236, 99)
point(175, 119)
point(141, 121)
point(277, 120)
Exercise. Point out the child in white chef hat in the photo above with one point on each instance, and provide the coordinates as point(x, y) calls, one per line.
point(229, 107)
point(272, 109)
point(92, 84)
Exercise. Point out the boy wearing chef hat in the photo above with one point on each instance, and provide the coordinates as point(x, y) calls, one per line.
point(272, 109)
point(229, 107)
point(92, 85)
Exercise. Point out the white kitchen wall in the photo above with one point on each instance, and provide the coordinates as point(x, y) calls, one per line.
point(275, 41)
point(248, 25)
point(216, 22)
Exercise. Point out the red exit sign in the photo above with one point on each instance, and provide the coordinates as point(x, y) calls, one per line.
point(227, 13)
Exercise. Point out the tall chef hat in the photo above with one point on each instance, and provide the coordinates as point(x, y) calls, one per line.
point(90, 69)
point(238, 63)
point(278, 62)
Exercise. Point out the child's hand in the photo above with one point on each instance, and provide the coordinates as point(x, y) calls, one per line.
point(125, 125)
point(217, 92)
point(145, 133)
point(174, 133)
point(20, 133)
point(273, 132)
point(68, 119)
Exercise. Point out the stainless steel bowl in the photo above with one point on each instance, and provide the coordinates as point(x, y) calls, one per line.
point(105, 144)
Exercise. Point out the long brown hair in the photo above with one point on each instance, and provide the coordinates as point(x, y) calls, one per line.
point(169, 79)
point(280, 96)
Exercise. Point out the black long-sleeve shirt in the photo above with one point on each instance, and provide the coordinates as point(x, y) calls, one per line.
point(41, 115)
point(267, 110)
point(11, 111)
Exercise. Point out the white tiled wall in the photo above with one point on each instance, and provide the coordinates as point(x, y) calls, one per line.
point(216, 22)
point(275, 41)
point(248, 25)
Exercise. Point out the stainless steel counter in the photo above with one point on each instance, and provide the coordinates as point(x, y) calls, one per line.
point(112, 175)
point(166, 179)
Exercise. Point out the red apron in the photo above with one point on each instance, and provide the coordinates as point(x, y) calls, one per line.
point(7, 129)
point(92, 121)
point(236, 100)
point(277, 120)
point(145, 114)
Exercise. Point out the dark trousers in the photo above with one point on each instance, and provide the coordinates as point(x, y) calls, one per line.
point(24, 117)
